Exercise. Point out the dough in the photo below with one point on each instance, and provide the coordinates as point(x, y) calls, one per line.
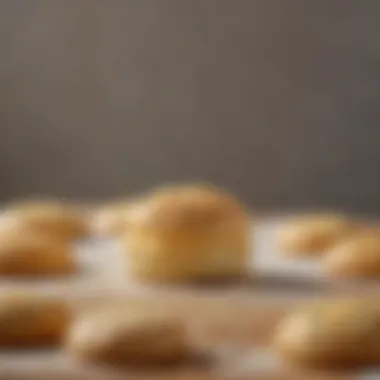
point(31, 320)
point(128, 336)
point(33, 254)
point(356, 256)
point(52, 218)
point(188, 232)
point(335, 333)
point(313, 234)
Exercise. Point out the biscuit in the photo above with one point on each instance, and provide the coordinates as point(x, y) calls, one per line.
point(188, 232)
point(356, 256)
point(33, 254)
point(112, 220)
point(30, 320)
point(53, 218)
point(334, 333)
point(128, 336)
point(312, 235)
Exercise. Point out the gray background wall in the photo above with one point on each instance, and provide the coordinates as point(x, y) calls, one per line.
point(277, 100)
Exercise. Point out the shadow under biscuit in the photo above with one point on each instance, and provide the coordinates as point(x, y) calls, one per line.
point(38, 278)
point(26, 347)
point(285, 283)
point(196, 362)
point(259, 282)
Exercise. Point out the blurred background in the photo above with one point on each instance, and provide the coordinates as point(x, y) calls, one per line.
point(276, 100)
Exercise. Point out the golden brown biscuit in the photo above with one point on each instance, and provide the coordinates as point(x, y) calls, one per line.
point(356, 256)
point(33, 254)
point(132, 336)
point(185, 233)
point(52, 218)
point(340, 333)
point(28, 320)
point(312, 235)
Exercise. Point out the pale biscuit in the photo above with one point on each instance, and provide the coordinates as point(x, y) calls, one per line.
point(340, 333)
point(356, 256)
point(52, 218)
point(128, 336)
point(312, 234)
point(188, 232)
